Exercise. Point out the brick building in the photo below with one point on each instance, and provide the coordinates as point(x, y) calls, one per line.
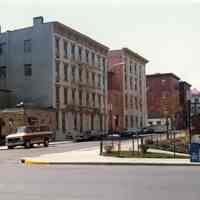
point(53, 65)
point(127, 105)
point(167, 96)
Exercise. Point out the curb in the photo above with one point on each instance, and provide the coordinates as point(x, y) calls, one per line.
point(35, 162)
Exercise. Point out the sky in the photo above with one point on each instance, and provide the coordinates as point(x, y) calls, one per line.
point(166, 32)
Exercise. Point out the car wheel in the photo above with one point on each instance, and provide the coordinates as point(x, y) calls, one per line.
point(28, 144)
point(46, 142)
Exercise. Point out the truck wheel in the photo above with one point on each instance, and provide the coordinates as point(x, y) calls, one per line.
point(46, 142)
point(27, 144)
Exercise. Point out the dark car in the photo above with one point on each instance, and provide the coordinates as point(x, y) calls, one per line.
point(146, 130)
point(134, 131)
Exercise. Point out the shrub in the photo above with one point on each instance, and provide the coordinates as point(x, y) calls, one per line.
point(144, 148)
point(108, 148)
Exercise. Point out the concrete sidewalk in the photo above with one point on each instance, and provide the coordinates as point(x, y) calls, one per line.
point(91, 157)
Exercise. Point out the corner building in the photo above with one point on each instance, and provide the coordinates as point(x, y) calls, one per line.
point(52, 65)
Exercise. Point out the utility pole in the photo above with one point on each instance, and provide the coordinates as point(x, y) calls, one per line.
point(189, 121)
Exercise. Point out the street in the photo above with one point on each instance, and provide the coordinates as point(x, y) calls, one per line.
point(91, 182)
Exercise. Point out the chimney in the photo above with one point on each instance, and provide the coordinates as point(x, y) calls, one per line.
point(38, 20)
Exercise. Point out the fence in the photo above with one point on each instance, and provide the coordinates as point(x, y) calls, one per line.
point(115, 143)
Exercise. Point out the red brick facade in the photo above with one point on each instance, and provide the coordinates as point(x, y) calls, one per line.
point(166, 96)
point(126, 90)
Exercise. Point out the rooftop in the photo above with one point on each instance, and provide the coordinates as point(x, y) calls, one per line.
point(130, 52)
point(67, 28)
point(163, 75)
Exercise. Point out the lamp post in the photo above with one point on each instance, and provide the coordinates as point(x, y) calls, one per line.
point(110, 114)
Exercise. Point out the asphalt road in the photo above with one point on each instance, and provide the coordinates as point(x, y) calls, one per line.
point(23, 182)
point(14, 155)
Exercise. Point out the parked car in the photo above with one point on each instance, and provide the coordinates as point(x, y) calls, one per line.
point(146, 130)
point(134, 131)
point(28, 136)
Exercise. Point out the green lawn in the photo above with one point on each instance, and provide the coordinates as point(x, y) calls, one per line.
point(129, 154)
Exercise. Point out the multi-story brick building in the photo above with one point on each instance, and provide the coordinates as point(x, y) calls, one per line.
point(195, 102)
point(52, 65)
point(167, 96)
point(127, 104)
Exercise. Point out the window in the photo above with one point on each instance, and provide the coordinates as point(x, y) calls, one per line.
point(28, 70)
point(80, 98)
point(65, 49)
point(80, 53)
point(27, 46)
point(63, 122)
point(87, 56)
point(136, 121)
point(125, 81)
point(141, 106)
point(131, 102)
point(99, 100)
point(99, 61)
point(135, 69)
point(80, 74)
point(1, 49)
point(131, 83)
point(65, 96)
point(57, 71)
point(93, 58)
point(104, 81)
point(87, 99)
point(57, 120)
point(57, 95)
point(132, 121)
point(73, 73)
point(81, 122)
point(92, 122)
point(125, 68)
point(93, 99)
point(66, 72)
point(57, 41)
point(75, 121)
point(163, 81)
point(131, 68)
point(93, 79)
point(104, 64)
point(140, 86)
point(3, 73)
point(126, 101)
point(73, 51)
point(99, 80)
point(136, 103)
point(87, 76)
point(73, 95)
point(126, 121)
point(136, 86)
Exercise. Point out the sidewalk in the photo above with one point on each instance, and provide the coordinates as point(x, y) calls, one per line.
point(91, 157)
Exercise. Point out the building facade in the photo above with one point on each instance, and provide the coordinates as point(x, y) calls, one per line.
point(11, 118)
point(52, 65)
point(195, 102)
point(167, 96)
point(127, 102)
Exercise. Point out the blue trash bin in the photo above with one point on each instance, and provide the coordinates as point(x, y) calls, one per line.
point(194, 150)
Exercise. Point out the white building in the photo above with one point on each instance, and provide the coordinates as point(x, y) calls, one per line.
point(52, 65)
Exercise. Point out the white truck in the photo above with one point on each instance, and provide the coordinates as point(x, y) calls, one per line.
point(28, 136)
